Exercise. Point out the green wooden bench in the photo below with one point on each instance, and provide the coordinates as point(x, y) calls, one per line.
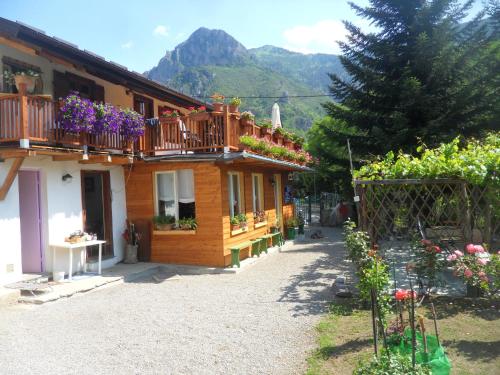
point(235, 250)
point(276, 238)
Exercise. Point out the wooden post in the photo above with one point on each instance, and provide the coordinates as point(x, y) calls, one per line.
point(227, 129)
point(467, 224)
point(374, 322)
point(23, 115)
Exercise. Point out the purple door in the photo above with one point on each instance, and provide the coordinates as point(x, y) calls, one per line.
point(29, 213)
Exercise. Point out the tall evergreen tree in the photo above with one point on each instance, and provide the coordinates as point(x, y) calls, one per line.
point(423, 74)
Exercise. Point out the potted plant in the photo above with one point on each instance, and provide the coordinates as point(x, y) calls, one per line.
point(187, 223)
point(291, 225)
point(265, 129)
point(247, 120)
point(234, 104)
point(164, 222)
point(198, 114)
point(278, 135)
point(217, 101)
point(288, 140)
point(235, 223)
point(259, 216)
point(77, 114)
point(132, 239)
point(169, 116)
point(300, 223)
point(27, 77)
point(298, 142)
point(276, 227)
point(242, 218)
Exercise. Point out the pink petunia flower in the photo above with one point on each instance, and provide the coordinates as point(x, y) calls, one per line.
point(479, 248)
point(436, 249)
point(470, 248)
point(451, 257)
point(458, 253)
point(468, 273)
point(482, 261)
point(481, 274)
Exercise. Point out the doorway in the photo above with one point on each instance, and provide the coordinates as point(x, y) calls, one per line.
point(96, 205)
point(278, 203)
point(32, 256)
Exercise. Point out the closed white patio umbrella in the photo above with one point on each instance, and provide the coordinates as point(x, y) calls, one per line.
point(275, 116)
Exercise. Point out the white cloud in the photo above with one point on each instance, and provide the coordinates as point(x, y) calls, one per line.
point(320, 37)
point(160, 30)
point(128, 45)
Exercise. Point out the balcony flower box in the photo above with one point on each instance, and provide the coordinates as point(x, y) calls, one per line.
point(199, 116)
point(247, 126)
point(278, 138)
point(288, 143)
point(218, 107)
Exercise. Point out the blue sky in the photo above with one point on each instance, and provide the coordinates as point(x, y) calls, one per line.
point(137, 33)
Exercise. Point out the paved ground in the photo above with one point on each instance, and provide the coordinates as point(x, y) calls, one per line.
point(259, 321)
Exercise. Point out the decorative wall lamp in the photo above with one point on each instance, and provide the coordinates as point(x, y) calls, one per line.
point(67, 177)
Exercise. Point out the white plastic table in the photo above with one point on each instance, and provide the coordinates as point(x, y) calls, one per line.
point(70, 247)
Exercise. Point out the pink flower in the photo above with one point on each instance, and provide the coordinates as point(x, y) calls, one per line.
point(482, 261)
point(468, 273)
point(451, 257)
point(479, 248)
point(481, 274)
point(401, 294)
point(485, 279)
point(458, 253)
point(470, 248)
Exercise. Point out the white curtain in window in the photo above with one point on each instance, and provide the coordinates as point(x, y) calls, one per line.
point(185, 183)
point(166, 190)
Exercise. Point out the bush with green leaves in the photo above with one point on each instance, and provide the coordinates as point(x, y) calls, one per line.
point(391, 364)
point(478, 163)
point(357, 244)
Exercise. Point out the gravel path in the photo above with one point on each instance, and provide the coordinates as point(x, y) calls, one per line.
point(259, 321)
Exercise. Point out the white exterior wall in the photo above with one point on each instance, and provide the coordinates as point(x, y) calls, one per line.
point(61, 205)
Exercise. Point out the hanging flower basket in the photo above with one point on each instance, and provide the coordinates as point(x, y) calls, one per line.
point(77, 114)
point(27, 80)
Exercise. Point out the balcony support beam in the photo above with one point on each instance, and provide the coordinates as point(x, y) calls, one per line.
point(11, 176)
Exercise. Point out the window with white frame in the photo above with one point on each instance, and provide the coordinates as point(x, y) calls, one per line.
point(257, 192)
point(175, 193)
point(235, 196)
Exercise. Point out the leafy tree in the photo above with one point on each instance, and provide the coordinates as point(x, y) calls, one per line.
point(423, 74)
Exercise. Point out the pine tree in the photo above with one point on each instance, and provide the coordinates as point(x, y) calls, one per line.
point(423, 74)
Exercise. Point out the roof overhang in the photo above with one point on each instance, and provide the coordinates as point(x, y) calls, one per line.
point(92, 63)
point(237, 158)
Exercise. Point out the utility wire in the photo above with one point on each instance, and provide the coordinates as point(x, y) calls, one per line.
point(268, 97)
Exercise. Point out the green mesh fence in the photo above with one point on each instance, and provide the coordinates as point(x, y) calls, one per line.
point(435, 357)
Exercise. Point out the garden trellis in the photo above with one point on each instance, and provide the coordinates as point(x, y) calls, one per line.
point(448, 209)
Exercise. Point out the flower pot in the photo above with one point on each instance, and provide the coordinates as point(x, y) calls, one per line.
point(291, 232)
point(278, 138)
point(164, 226)
point(130, 254)
point(235, 227)
point(275, 229)
point(233, 108)
point(169, 120)
point(26, 80)
point(247, 126)
point(288, 143)
point(200, 116)
point(218, 107)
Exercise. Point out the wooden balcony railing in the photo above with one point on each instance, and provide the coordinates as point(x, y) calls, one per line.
point(35, 118)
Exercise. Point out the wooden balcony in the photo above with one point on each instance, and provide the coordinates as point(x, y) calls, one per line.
point(34, 118)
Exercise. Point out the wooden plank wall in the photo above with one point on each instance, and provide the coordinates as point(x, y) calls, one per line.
point(268, 206)
point(202, 248)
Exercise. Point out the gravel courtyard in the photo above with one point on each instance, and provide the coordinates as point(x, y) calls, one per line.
point(259, 321)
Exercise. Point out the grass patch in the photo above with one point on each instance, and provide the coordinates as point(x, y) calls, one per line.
point(469, 330)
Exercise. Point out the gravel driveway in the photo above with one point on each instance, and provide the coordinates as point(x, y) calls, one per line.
point(259, 321)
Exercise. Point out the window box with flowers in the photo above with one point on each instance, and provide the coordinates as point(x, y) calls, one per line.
point(198, 114)
point(169, 117)
point(278, 135)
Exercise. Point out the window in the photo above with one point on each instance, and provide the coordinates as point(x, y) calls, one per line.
point(13, 66)
point(235, 199)
point(257, 192)
point(175, 194)
point(65, 83)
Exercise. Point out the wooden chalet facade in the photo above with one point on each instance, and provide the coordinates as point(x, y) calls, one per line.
point(194, 166)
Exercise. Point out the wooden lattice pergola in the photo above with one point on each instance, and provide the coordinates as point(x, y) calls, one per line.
point(446, 209)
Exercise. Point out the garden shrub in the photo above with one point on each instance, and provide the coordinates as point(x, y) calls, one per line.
point(393, 364)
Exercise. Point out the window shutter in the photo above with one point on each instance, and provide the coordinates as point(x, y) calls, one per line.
point(98, 94)
point(61, 85)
